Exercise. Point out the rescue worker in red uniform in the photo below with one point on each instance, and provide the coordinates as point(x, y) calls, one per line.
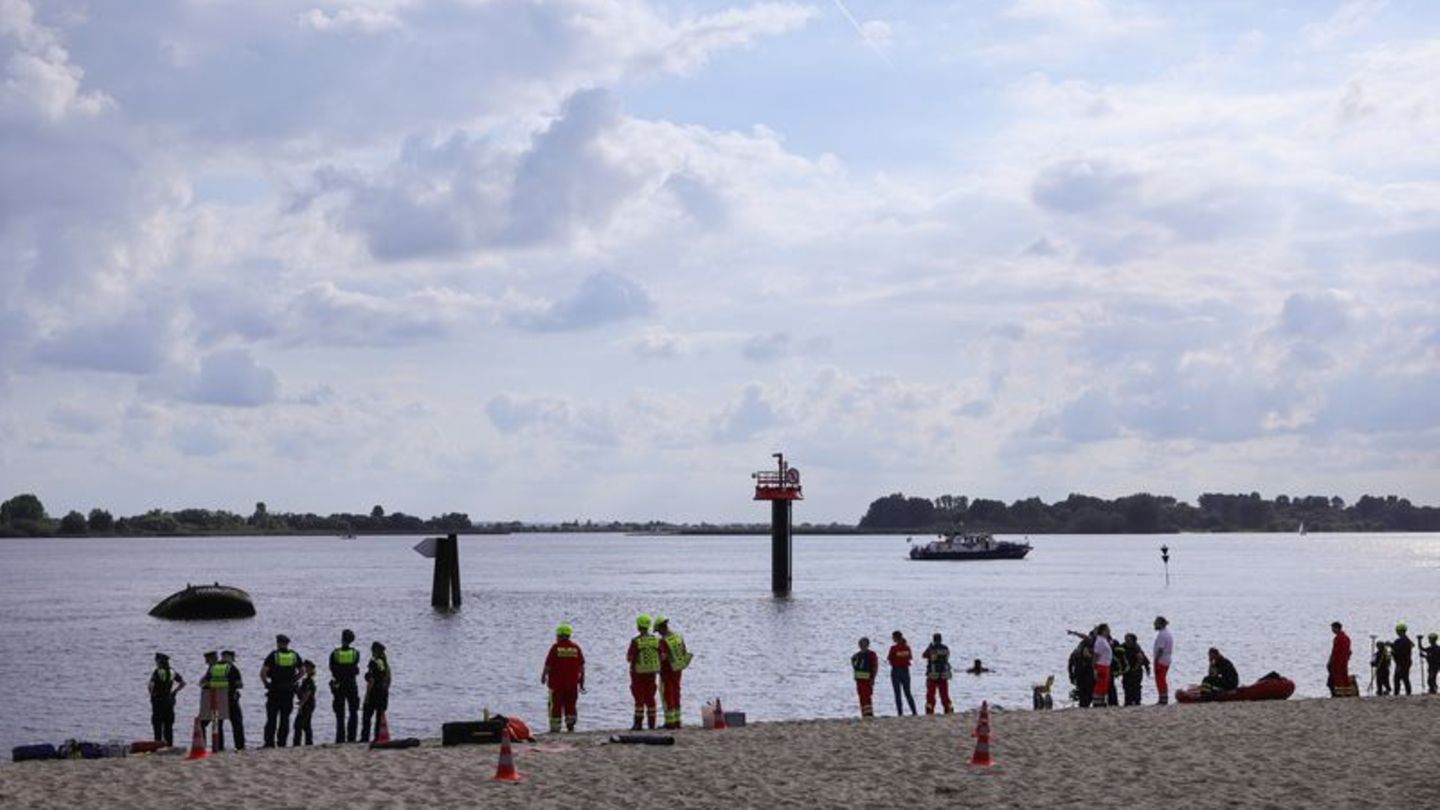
point(565, 674)
point(937, 675)
point(1339, 664)
point(865, 664)
point(674, 658)
point(644, 659)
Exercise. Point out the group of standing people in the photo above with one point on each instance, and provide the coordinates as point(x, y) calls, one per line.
point(659, 656)
point(1390, 661)
point(865, 667)
point(1102, 670)
point(290, 688)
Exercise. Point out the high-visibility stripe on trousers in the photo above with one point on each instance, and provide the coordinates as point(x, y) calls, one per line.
point(562, 705)
point(865, 689)
point(642, 689)
point(670, 695)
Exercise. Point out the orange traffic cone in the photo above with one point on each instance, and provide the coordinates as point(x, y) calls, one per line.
point(981, 757)
point(197, 742)
point(719, 716)
point(382, 730)
point(506, 772)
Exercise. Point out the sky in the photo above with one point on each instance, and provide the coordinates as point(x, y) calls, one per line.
point(559, 259)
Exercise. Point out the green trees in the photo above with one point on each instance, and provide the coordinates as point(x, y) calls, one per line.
point(100, 521)
point(24, 515)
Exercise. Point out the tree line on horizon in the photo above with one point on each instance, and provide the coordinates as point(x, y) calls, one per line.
point(24, 516)
point(1143, 513)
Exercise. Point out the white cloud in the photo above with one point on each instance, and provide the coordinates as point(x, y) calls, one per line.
point(1349, 18)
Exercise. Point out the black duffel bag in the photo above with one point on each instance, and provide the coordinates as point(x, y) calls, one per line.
point(473, 732)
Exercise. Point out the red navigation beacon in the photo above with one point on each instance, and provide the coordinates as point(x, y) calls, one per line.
point(780, 484)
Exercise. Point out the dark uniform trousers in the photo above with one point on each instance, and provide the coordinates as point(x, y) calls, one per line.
point(279, 703)
point(347, 697)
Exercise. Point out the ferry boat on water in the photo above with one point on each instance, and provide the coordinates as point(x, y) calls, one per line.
point(960, 546)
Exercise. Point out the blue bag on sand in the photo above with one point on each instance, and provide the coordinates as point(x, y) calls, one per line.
point(25, 753)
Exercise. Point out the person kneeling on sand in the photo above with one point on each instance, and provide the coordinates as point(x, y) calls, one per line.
point(1222, 677)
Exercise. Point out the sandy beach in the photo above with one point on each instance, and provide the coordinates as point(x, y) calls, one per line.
point(1305, 753)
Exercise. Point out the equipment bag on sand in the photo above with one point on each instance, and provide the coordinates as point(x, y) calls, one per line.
point(27, 753)
point(474, 732)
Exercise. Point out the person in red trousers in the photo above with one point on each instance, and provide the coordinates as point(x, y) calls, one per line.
point(1339, 664)
point(565, 674)
point(674, 658)
point(937, 675)
point(865, 664)
point(644, 659)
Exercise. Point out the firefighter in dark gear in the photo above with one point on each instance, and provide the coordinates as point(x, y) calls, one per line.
point(236, 682)
point(345, 687)
point(865, 664)
point(377, 690)
point(1134, 666)
point(674, 658)
point(644, 659)
point(281, 674)
point(1431, 654)
point(937, 676)
point(564, 673)
point(305, 705)
point(165, 683)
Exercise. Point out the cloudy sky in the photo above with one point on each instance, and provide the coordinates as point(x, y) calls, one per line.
point(547, 259)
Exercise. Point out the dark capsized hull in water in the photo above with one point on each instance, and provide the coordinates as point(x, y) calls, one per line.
point(205, 602)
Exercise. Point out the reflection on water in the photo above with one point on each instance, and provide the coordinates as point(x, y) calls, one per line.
point(76, 643)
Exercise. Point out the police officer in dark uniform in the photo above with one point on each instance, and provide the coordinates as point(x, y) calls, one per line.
point(377, 690)
point(165, 683)
point(280, 674)
point(344, 686)
point(236, 683)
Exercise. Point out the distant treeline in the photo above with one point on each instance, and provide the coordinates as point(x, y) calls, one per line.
point(25, 516)
point(1144, 513)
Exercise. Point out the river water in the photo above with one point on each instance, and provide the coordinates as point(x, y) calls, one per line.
point(76, 643)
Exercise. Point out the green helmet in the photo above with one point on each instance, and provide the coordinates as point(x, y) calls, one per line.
point(564, 630)
point(1401, 627)
point(1434, 637)
point(643, 622)
point(661, 619)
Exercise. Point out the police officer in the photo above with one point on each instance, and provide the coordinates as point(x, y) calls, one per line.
point(344, 687)
point(236, 682)
point(280, 674)
point(305, 696)
point(644, 659)
point(165, 683)
point(377, 690)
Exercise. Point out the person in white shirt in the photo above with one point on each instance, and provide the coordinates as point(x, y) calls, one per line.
point(1164, 652)
point(1104, 655)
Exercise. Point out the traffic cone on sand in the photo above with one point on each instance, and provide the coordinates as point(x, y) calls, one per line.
point(506, 772)
point(719, 716)
point(382, 729)
point(981, 757)
point(197, 742)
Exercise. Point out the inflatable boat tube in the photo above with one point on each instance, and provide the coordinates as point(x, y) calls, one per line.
point(205, 602)
point(1263, 689)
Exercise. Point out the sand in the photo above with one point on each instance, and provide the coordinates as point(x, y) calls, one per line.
point(1302, 753)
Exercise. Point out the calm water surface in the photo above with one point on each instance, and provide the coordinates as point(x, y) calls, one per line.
point(76, 643)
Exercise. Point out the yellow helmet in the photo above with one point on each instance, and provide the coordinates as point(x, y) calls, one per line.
point(564, 630)
point(643, 622)
point(1400, 628)
point(661, 619)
